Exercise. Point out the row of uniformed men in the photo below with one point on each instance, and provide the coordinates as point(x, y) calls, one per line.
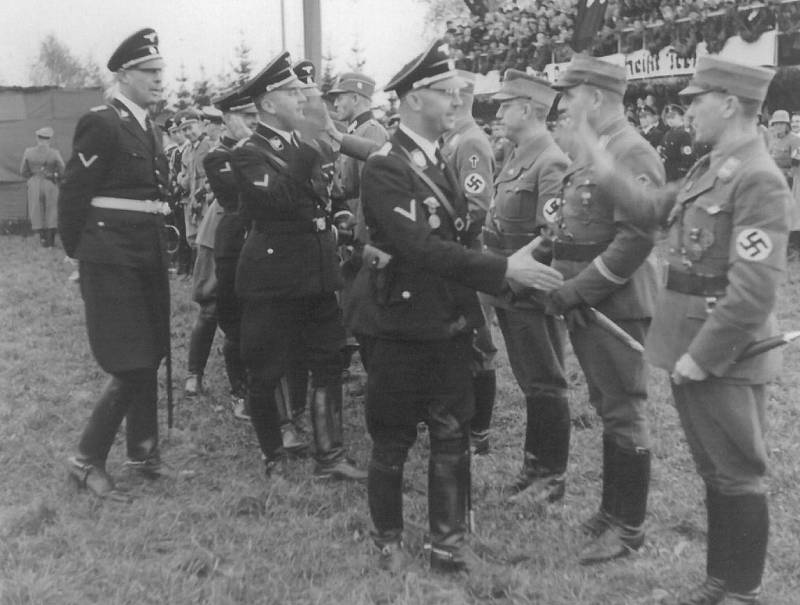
point(414, 309)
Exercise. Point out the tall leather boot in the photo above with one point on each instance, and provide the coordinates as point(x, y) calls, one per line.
point(712, 590)
point(200, 341)
point(599, 521)
point(291, 442)
point(298, 388)
point(484, 385)
point(625, 533)
point(546, 450)
point(88, 468)
point(746, 522)
point(141, 423)
point(447, 506)
point(326, 419)
point(264, 417)
point(385, 499)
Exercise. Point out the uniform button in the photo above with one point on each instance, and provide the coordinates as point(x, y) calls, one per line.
point(270, 250)
point(405, 294)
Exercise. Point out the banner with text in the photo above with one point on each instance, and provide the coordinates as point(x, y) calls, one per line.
point(641, 64)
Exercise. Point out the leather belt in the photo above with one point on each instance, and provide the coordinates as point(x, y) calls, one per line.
point(578, 252)
point(317, 225)
point(506, 243)
point(696, 285)
point(121, 203)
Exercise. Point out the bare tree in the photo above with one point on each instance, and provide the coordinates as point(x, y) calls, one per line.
point(57, 66)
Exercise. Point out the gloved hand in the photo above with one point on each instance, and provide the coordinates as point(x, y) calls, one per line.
point(576, 314)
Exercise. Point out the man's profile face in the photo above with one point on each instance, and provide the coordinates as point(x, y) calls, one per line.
point(142, 84)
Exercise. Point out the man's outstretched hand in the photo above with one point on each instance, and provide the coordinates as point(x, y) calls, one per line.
point(526, 271)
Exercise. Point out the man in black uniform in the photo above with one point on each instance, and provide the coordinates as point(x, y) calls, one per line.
point(651, 128)
point(414, 303)
point(228, 240)
point(676, 149)
point(111, 219)
point(288, 272)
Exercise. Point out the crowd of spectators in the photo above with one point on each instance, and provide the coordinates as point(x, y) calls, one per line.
point(532, 33)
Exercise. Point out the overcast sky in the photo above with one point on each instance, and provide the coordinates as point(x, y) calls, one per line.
point(205, 32)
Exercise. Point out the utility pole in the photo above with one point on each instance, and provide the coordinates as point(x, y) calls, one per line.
point(312, 33)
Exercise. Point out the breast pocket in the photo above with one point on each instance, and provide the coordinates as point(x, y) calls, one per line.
point(707, 230)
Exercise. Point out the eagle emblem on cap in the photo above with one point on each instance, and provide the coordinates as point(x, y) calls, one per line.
point(152, 37)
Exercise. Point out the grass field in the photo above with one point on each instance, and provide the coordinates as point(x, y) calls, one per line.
point(223, 534)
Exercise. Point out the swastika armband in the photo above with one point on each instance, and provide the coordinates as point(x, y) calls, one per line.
point(551, 209)
point(474, 183)
point(753, 244)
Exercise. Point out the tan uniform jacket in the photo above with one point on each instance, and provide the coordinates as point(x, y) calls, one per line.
point(604, 258)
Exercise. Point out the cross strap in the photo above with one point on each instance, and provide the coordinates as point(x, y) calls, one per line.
point(458, 221)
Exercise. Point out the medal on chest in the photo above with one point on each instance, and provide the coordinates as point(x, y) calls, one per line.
point(434, 220)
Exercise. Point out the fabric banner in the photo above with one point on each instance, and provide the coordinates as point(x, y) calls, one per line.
point(641, 64)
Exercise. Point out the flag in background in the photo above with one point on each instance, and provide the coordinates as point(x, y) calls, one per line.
point(591, 14)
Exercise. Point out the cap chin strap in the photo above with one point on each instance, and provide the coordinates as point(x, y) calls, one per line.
point(433, 79)
point(284, 82)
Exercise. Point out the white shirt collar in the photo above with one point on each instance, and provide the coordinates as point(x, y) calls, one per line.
point(284, 134)
point(428, 147)
point(140, 113)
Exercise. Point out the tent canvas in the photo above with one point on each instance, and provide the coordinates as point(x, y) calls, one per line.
point(22, 112)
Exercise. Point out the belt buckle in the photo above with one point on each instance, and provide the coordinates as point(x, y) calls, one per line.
point(320, 224)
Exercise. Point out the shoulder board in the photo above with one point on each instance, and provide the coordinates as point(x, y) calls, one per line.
point(100, 108)
point(383, 151)
point(240, 143)
point(728, 169)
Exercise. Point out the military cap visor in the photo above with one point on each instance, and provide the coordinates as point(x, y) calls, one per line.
point(353, 82)
point(277, 75)
point(520, 85)
point(592, 71)
point(431, 69)
point(714, 74)
point(139, 50)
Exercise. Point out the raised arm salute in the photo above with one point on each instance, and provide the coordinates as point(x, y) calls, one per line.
point(727, 255)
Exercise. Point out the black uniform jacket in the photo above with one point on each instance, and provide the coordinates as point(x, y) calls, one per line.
point(229, 236)
point(124, 281)
point(290, 251)
point(427, 290)
point(113, 157)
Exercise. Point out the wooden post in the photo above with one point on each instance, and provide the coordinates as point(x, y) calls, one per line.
point(312, 33)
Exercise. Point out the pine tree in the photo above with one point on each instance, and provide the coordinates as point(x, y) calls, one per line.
point(357, 59)
point(202, 90)
point(328, 73)
point(244, 65)
point(184, 96)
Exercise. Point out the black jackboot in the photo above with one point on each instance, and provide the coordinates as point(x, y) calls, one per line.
point(264, 417)
point(546, 450)
point(484, 385)
point(385, 499)
point(746, 523)
point(630, 476)
point(326, 419)
point(291, 441)
point(448, 482)
point(598, 522)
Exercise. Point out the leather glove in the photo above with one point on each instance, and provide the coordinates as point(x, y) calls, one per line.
point(576, 315)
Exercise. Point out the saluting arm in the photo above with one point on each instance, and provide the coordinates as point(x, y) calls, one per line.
point(632, 242)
